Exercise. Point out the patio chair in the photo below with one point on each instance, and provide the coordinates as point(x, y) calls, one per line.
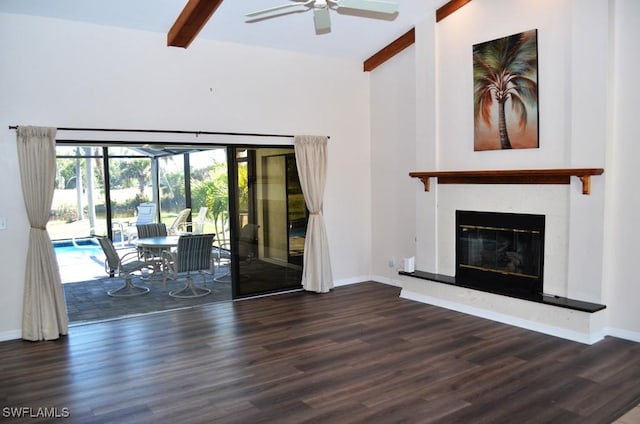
point(123, 266)
point(151, 255)
point(221, 260)
point(180, 221)
point(151, 230)
point(197, 226)
point(193, 254)
point(146, 215)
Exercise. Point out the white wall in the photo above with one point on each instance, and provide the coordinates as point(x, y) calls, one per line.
point(586, 120)
point(622, 291)
point(393, 141)
point(403, 118)
point(64, 74)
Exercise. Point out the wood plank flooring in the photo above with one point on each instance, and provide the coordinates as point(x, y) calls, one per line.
point(357, 354)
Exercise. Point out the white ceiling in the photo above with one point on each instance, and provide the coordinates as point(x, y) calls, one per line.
point(351, 36)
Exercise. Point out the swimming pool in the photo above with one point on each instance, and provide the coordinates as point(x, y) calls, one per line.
point(84, 247)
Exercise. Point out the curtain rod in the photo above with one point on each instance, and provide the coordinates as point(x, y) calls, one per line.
point(196, 133)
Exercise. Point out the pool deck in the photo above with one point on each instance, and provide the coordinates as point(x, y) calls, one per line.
point(85, 269)
point(86, 283)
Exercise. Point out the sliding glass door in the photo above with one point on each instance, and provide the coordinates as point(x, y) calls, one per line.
point(265, 215)
point(250, 197)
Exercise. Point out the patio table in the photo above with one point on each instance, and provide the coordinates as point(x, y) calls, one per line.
point(162, 242)
point(155, 244)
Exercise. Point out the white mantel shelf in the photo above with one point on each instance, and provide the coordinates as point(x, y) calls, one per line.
point(518, 176)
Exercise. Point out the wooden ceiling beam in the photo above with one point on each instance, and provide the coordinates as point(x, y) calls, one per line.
point(192, 19)
point(390, 50)
point(449, 8)
point(409, 38)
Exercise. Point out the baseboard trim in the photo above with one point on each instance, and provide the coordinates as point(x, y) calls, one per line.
point(354, 280)
point(386, 280)
point(633, 336)
point(585, 338)
point(10, 335)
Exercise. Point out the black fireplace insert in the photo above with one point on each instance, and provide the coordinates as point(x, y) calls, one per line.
point(500, 252)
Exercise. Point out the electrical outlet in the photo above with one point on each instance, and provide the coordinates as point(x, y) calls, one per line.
point(3, 223)
point(392, 262)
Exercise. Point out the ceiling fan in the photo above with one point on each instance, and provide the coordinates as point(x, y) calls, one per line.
point(321, 9)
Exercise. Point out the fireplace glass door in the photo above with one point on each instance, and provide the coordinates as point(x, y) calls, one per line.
point(500, 252)
point(504, 250)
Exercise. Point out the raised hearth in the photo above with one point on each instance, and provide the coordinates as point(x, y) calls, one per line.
point(570, 319)
point(546, 299)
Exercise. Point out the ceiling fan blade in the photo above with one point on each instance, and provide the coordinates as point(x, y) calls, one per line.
point(284, 6)
point(321, 19)
point(379, 6)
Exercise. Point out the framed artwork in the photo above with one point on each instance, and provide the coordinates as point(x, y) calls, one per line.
point(505, 92)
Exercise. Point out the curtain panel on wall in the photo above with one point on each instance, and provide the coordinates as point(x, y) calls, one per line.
point(44, 316)
point(311, 161)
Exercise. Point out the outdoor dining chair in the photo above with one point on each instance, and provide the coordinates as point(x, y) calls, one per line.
point(192, 255)
point(147, 254)
point(152, 230)
point(123, 266)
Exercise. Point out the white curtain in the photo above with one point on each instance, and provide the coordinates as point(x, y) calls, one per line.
point(311, 160)
point(44, 316)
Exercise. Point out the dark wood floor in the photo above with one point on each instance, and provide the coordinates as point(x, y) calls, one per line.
point(357, 354)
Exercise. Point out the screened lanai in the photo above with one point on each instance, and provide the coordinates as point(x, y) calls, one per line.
point(254, 206)
point(98, 188)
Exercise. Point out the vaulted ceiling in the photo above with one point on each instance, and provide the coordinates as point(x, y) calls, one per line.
point(353, 35)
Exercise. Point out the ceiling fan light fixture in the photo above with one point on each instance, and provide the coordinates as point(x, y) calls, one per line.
point(321, 19)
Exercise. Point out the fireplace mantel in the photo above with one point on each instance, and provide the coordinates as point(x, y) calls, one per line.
point(519, 176)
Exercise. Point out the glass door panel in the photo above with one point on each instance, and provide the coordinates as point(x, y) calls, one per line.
point(261, 221)
point(171, 183)
point(78, 207)
point(209, 189)
point(130, 184)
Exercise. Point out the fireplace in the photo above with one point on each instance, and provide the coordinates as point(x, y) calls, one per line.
point(500, 252)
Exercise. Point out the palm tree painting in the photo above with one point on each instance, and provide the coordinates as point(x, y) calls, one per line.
point(505, 79)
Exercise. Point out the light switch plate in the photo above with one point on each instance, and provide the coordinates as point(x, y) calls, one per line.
point(3, 223)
